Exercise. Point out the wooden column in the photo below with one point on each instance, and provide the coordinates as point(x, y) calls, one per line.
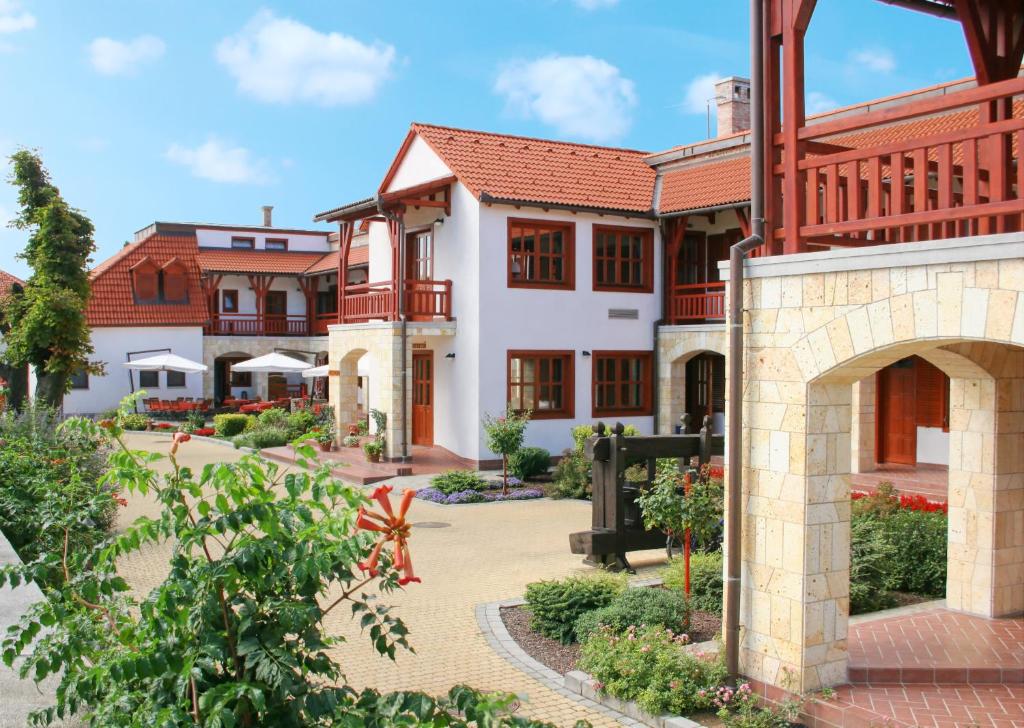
point(260, 285)
point(674, 243)
point(211, 285)
point(397, 274)
point(308, 286)
point(796, 15)
point(345, 228)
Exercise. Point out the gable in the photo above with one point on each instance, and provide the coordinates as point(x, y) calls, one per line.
point(416, 163)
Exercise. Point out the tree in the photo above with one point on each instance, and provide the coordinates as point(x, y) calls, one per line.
point(505, 437)
point(47, 326)
point(16, 377)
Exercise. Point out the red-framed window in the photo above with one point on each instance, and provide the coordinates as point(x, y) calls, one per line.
point(146, 281)
point(541, 254)
point(542, 381)
point(244, 243)
point(175, 282)
point(228, 300)
point(276, 244)
point(623, 259)
point(622, 383)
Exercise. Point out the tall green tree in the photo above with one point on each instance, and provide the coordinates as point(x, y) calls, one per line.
point(47, 327)
point(16, 377)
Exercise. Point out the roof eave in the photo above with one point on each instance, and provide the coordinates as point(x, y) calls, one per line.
point(489, 199)
point(351, 211)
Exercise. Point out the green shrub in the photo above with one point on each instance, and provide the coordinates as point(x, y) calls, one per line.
point(275, 417)
point(640, 607)
point(134, 421)
point(919, 541)
point(299, 423)
point(228, 425)
point(529, 462)
point(653, 669)
point(456, 481)
point(871, 556)
point(556, 605)
point(580, 433)
point(706, 585)
point(572, 476)
point(262, 437)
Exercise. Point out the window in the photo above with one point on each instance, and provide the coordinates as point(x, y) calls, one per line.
point(80, 379)
point(175, 379)
point(249, 243)
point(229, 301)
point(149, 380)
point(541, 254)
point(276, 244)
point(146, 281)
point(622, 383)
point(276, 303)
point(241, 379)
point(623, 259)
point(175, 282)
point(542, 381)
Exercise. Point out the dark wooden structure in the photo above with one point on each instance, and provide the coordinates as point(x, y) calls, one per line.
point(617, 525)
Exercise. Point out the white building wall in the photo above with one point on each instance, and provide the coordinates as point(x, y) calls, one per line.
point(932, 446)
point(221, 238)
point(247, 299)
point(420, 164)
point(112, 346)
point(380, 252)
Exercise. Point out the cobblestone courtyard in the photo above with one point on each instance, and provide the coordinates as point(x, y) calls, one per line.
point(472, 554)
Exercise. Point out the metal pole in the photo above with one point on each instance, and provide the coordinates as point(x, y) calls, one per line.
point(734, 515)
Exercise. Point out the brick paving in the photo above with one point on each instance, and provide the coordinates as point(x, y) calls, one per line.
point(482, 553)
point(931, 481)
point(352, 466)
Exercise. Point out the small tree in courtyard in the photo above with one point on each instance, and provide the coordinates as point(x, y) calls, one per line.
point(505, 437)
point(46, 326)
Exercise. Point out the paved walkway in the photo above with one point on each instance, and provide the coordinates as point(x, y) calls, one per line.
point(931, 481)
point(466, 555)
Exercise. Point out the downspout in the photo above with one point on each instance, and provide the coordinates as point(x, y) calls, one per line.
point(655, 367)
point(404, 335)
point(734, 516)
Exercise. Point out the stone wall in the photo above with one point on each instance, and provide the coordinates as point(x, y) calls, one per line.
point(676, 346)
point(253, 346)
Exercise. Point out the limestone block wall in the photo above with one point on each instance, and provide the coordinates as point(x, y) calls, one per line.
point(676, 346)
point(815, 325)
point(253, 346)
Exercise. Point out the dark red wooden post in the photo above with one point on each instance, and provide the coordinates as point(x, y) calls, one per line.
point(345, 228)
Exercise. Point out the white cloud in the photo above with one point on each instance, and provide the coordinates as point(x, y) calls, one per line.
point(124, 58)
point(817, 103)
point(578, 95)
point(880, 60)
point(13, 19)
point(219, 161)
point(280, 60)
point(699, 92)
point(595, 4)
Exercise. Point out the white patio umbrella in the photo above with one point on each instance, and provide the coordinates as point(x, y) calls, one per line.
point(166, 363)
point(320, 371)
point(271, 363)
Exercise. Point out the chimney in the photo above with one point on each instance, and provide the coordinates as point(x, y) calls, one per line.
point(732, 95)
point(268, 220)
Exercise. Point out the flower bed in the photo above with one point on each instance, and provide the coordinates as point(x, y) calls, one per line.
point(491, 494)
point(909, 502)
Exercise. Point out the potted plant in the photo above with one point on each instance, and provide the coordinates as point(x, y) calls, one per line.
point(325, 438)
point(373, 450)
point(350, 441)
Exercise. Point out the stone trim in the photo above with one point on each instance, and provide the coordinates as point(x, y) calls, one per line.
point(1003, 246)
point(692, 328)
point(413, 328)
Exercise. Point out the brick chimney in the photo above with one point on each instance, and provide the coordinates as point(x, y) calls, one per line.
point(268, 219)
point(732, 95)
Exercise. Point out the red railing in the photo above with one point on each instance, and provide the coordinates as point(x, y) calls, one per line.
point(424, 301)
point(323, 320)
point(692, 302)
point(251, 324)
point(963, 179)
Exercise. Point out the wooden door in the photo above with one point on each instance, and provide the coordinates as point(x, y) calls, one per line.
point(419, 266)
point(423, 398)
point(896, 414)
point(705, 388)
point(275, 310)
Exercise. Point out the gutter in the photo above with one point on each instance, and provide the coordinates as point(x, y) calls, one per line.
point(489, 199)
point(734, 484)
point(404, 336)
point(704, 210)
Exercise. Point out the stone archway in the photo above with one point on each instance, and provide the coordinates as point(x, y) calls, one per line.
point(677, 345)
point(344, 390)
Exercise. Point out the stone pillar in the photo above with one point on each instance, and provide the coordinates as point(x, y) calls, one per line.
point(986, 497)
point(795, 599)
point(862, 435)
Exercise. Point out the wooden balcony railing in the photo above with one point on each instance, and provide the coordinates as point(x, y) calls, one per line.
point(965, 178)
point(251, 324)
point(696, 302)
point(424, 301)
point(322, 320)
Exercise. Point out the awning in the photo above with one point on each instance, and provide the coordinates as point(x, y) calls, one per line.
point(320, 371)
point(166, 363)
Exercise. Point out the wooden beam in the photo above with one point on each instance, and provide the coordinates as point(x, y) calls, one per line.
point(743, 216)
point(796, 14)
point(994, 31)
point(345, 230)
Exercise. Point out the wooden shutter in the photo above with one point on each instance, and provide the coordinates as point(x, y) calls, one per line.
point(932, 395)
point(145, 279)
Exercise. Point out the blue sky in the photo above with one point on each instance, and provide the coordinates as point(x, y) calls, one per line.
point(147, 110)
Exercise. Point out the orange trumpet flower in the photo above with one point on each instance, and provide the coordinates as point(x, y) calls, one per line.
point(392, 528)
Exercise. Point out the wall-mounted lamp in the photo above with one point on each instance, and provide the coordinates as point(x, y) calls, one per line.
point(586, 353)
point(439, 221)
point(450, 355)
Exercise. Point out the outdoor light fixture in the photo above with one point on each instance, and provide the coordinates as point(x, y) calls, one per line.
point(439, 221)
point(586, 353)
point(516, 268)
point(450, 355)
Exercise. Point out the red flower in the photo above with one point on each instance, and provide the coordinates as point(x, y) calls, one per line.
point(392, 528)
point(179, 437)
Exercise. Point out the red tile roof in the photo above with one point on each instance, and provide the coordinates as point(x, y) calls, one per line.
point(228, 260)
point(706, 185)
point(524, 169)
point(356, 256)
point(7, 281)
point(112, 302)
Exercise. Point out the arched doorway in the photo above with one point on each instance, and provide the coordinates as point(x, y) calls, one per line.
point(228, 383)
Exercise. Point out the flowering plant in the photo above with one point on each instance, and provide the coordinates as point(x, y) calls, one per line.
point(505, 436)
point(739, 708)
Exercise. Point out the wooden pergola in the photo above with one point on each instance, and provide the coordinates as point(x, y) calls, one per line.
point(821, 191)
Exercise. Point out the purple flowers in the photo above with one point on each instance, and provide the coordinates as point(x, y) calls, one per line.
point(471, 496)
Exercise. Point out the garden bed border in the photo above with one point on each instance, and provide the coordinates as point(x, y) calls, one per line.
point(575, 685)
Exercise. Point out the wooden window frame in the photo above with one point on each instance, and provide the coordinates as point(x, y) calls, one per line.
point(568, 256)
point(250, 243)
point(174, 272)
point(77, 384)
point(268, 241)
point(278, 294)
point(646, 409)
point(568, 409)
point(168, 384)
point(150, 269)
point(646, 258)
point(143, 385)
point(243, 379)
point(224, 293)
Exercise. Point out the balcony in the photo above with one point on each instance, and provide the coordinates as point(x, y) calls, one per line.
point(251, 324)
point(938, 167)
point(693, 303)
point(425, 300)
